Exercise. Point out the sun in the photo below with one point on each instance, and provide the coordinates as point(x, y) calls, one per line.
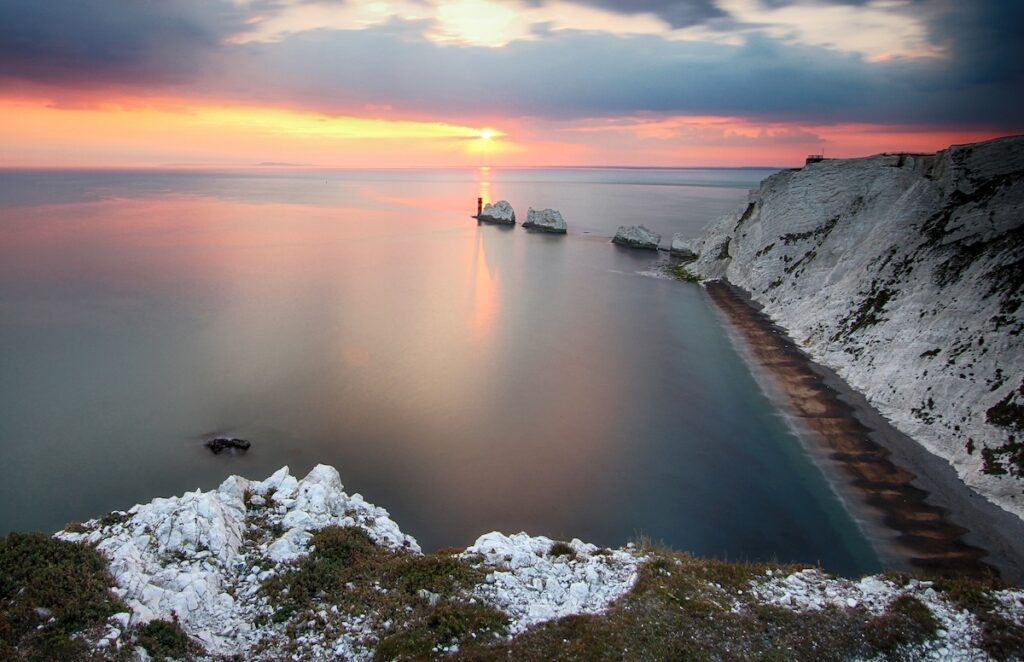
point(486, 134)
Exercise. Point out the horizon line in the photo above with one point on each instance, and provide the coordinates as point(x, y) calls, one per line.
point(307, 166)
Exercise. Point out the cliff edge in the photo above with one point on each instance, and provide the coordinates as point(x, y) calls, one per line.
point(905, 274)
point(289, 568)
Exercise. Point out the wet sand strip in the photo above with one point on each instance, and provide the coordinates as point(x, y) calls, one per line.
point(920, 534)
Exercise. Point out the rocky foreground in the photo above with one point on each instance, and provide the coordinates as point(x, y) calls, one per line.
point(905, 274)
point(202, 559)
point(299, 569)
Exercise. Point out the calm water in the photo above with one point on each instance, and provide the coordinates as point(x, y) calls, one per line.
point(466, 378)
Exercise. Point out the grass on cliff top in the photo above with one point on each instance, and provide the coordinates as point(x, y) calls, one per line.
point(55, 598)
point(165, 640)
point(679, 608)
point(418, 604)
point(52, 593)
point(1000, 637)
point(683, 608)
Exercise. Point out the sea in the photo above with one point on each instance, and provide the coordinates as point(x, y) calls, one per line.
point(467, 378)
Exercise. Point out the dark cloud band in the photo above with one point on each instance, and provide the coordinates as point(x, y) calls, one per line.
point(78, 43)
point(677, 13)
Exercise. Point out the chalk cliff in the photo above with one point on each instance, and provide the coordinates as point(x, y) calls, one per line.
point(905, 274)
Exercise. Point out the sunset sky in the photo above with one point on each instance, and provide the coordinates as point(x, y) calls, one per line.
point(418, 83)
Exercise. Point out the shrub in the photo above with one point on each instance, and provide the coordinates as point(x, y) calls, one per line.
point(443, 625)
point(906, 620)
point(165, 639)
point(562, 549)
point(346, 569)
point(682, 608)
point(1001, 638)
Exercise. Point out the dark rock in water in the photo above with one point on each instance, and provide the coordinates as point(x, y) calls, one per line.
point(220, 444)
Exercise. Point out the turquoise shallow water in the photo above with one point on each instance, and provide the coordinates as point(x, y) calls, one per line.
point(467, 378)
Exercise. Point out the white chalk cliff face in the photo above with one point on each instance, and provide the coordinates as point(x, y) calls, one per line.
point(904, 273)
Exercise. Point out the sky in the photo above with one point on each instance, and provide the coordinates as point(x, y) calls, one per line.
point(451, 83)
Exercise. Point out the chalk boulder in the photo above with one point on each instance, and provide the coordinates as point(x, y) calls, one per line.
point(682, 248)
point(545, 220)
point(200, 558)
point(531, 585)
point(500, 212)
point(636, 236)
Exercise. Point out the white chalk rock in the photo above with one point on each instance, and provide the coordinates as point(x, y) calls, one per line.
point(545, 220)
point(178, 557)
point(636, 236)
point(682, 248)
point(500, 212)
point(532, 586)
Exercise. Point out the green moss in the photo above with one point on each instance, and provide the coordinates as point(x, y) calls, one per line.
point(680, 272)
point(68, 580)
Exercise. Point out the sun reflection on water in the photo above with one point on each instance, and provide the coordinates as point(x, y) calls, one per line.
point(483, 176)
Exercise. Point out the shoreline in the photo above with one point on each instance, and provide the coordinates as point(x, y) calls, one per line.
point(912, 506)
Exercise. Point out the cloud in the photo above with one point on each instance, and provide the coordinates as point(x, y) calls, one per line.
point(876, 28)
point(573, 74)
point(982, 39)
point(89, 42)
point(677, 13)
point(492, 23)
point(739, 58)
